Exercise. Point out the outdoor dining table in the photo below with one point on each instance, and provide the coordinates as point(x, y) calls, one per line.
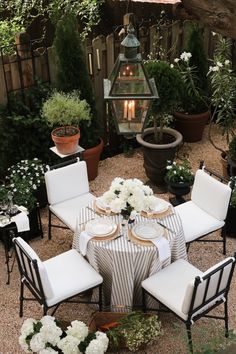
point(124, 264)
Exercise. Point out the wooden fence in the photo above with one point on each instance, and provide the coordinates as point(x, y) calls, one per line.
point(20, 70)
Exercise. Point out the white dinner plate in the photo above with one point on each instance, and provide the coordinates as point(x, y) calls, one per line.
point(100, 227)
point(161, 206)
point(148, 231)
point(101, 204)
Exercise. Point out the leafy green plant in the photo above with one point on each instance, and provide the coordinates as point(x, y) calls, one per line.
point(169, 85)
point(223, 95)
point(3, 192)
point(22, 193)
point(65, 109)
point(8, 30)
point(72, 74)
point(232, 149)
point(179, 172)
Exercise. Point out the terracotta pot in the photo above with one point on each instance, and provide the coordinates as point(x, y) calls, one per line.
point(191, 126)
point(66, 145)
point(156, 155)
point(92, 157)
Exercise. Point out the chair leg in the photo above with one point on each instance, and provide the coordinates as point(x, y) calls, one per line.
point(189, 333)
point(49, 224)
point(21, 298)
point(144, 300)
point(223, 235)
point(226, 319)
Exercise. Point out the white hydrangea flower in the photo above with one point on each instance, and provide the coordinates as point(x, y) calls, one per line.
point(23, 344)
point(117, 205)
point(78, 330)
point(51, 333)
point(95, 347)
point(37, 343)
point(28, 326)
point(69, 345)
point(48, 351)
point(103, 338)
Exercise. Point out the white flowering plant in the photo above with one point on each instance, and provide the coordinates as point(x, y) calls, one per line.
point(46, 337)
point(194, 98)
point(23, 179)
point(179, 172)
point(129, 197)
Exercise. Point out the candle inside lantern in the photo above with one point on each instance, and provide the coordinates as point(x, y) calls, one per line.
point(126, 109)
point(129, 110)
point(133, 109)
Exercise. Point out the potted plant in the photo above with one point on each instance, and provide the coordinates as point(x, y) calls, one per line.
point(160, 142)
point(72, 74)
point(179, 178)
point(193, 112)
point(223, 99)
point(65, 109)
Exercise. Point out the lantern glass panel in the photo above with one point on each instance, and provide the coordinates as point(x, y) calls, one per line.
point(131, 80)
point(130, 114)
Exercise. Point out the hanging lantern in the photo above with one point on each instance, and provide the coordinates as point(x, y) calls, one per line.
point(128, 90)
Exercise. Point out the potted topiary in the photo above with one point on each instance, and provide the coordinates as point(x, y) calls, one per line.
point(193, 112)
point(66, 109)
point(160, 142)
point(72, 74)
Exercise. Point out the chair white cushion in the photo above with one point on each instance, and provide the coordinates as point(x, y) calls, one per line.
point(67, 182)
point(169, 285)
point(211, 195)
point(70, 274)
point(196, 222)
point(68, 210)
point(42, 270)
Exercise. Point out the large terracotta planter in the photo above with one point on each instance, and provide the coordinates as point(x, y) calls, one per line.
point(92, 157)
point(66, 145)
point(191, 126)
point(156, 155)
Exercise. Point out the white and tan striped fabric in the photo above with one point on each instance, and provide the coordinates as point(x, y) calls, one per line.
point(123, 264)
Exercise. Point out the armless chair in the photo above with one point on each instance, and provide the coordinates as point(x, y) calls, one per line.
point(190, 294)
point(68, 192)
point(56, 280)
point(206, 211)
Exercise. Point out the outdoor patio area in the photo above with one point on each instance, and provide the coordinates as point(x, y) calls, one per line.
point(207, 333)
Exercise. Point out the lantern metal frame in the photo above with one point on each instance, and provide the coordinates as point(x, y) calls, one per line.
point(130, 57)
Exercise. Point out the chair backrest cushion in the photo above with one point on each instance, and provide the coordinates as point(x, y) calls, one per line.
point(28, 267)
point(217, 283)
point(67, 182)
point(211, 195)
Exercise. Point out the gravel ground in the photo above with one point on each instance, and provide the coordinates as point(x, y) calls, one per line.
point(206, 333)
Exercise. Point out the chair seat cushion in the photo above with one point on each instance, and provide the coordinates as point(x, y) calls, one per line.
point(70, 274)
point(196, 222)
point(69, 210)
point(168, 287)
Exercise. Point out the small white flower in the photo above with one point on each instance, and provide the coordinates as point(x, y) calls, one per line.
point(176, 60)
point(185, 56)
point(171, 65)
point(218, 63)
point(37, 343)
point(227, 62)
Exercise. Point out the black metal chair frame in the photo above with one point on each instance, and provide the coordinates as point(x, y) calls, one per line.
point(30, 280)
point(191, 318)
point(223, 229)
point(50, 213)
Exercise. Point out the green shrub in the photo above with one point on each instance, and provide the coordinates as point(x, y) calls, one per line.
point(8, 30)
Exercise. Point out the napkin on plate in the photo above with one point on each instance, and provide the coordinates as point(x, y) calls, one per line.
point(22, 221)
point(163, 247)
point(83, 241)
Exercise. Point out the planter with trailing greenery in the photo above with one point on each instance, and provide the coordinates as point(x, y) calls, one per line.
point(65, 109)
point(160, 142)
point(72, 75)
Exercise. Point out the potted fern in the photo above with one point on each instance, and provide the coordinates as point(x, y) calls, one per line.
point(65, 109)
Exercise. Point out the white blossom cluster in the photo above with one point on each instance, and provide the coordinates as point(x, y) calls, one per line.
point(226, 64)
point(45, 337)
point(185, 56)
point(129, 194)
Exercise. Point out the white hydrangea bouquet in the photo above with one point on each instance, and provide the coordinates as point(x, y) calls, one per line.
point(46, 337)
point(129, 197)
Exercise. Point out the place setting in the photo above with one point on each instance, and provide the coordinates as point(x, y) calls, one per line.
point(99, 229)
point(149, 234)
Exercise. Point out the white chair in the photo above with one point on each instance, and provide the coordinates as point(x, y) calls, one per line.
point(189, 293)
point(68, 192)
point(207, 209)
point(56, 280)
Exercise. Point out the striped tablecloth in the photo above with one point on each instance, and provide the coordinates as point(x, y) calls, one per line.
point(123, 264)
